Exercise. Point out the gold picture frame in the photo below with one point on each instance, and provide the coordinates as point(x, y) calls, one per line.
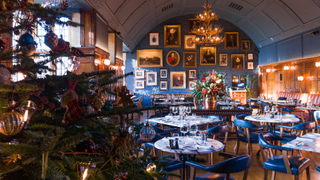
point(190, 59)
point(193, 24)
point(237, 61)
point(173, 58)
point(178, 80)
point(231, 40)
point(245, 45)
point(147, 58)
point(172, 36)
point(208, 55)
point(189, 42)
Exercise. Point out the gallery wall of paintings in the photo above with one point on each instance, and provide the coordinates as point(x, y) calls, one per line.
point(166, 61)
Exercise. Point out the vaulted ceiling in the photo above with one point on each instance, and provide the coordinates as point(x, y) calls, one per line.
point(265, 21)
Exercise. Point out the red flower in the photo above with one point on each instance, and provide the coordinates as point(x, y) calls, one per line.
point(204, 91)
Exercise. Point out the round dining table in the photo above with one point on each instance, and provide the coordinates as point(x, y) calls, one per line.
point(189, 146)
point(271, 121)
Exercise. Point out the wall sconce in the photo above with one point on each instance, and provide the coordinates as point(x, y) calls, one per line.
point(273, 70)
point(292, 67)
point(268, 70)
point(107, 62)
point(97, 62)
point(286, 68)
point(123, 68)
point(318, 64)
point(300, 78)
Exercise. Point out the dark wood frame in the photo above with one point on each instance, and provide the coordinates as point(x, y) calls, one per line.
point(160, 73)
point(144, 74)
point(225, 43)
point(144, 86)
point(248, 56)
point(189, 24)
point(220, 59)
point(156, 76)
point(252, 65)
point(160, 85)
point(189, 73)
point(242, 49)
point(195, 59)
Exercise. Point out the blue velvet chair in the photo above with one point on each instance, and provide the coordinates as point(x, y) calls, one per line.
point(290, 111)
point(300, 128)
point(245, 135)
point(164, 132)
point(316, 115)
point(282, 98)
point(155, 116)
point(221, 170)
point(213, 117)
point(173, 165)
point(284, 163)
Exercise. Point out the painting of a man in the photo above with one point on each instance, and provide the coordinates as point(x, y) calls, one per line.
point(172, 36)
point(232, 40)
point(237, 61)
point(173, 58)
point(178, 79)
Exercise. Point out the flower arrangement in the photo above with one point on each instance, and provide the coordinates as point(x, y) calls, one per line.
point(211, 85)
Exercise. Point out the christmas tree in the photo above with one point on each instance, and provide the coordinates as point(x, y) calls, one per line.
point(59, 127)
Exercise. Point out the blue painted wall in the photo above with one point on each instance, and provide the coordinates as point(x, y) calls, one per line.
point(297, 47)
point(131, 58)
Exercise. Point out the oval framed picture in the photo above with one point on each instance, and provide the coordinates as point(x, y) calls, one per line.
point(173, 58)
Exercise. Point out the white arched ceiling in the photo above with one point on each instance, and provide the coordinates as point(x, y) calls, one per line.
point(265, 21)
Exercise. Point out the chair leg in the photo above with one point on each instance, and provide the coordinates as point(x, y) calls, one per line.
point(245, 175)
point(192, 173)
point(296, 177)
point(273, 177)
point(236, 148)
point(265, 174)
point(308, 173)
point(211, 158)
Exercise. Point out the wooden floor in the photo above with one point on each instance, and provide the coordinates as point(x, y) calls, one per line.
point(256, 170)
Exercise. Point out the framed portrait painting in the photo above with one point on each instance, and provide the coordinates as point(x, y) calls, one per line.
point(208, 55)
point(245, 45)
point(193, 25)
point(139, 74)
point(189, 42)
point(250, 56)
point(173, 58)
point(178, 80)
point(152, 78)
point(192, 73)
point(231, 40)
point(163, 85)
point(250, 65)
point(139, 84)
point(154, 39)
point(172, 36)
point(237, 61)
point(192, 84)
point(223, 60)
point(190, 59)
point(150, 58)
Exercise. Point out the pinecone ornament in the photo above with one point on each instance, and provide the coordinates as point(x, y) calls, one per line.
point(51, 40)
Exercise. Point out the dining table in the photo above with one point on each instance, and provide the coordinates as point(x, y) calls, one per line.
point(310, 111)
point(308, 142)
point(272, 121)
point(189, 147)
point(176, 121)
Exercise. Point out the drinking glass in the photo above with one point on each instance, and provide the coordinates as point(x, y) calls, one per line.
point(184, 128)
point(188, 110)
point(266, 109)
point(175, 110)
point(193, 128)
point(274, 109)
point(175, 135)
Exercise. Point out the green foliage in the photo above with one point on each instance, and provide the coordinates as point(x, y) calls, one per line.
point(249, 87)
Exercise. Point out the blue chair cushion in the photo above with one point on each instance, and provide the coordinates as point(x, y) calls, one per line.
point(318, 127)
point(245, 139)
point(149, 145)
point(213, 176)
point(254, 106)
point(173, 165)
point(297, 164)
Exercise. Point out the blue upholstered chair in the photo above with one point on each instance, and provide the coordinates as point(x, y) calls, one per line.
point(290, 111)
point(282, 98)
point(155, 116)
point(164, 132)
point(173, 165)
point(316, 115)
point(221, 170)
point(245, 135)
point(299, 128)
point(284, 163)
point(149, 144)
point(213, 117)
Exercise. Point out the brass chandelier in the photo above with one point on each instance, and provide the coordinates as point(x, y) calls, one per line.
point(208, 35)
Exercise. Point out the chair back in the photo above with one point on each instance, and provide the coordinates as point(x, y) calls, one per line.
point(282, 98)
point(296, 100)
point(241, 115)
point(290, 115)
point(233, 165)
point(285, 109)
point(213, 117)
point(218, 129)
point(316, 115)
point(244, 123)
point(305, 126)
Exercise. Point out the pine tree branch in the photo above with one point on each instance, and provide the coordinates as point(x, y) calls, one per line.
point(19, 149)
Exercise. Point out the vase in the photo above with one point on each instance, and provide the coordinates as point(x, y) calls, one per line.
point(210, 103)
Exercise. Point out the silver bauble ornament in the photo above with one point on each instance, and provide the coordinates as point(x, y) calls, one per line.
point(4, 75)
point(147, 133)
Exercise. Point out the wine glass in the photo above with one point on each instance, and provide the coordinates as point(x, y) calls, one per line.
point(188, 110)
point(274, 109)
point(174, 110)
point(184, 128)
point(193, 129)
point(266, 109)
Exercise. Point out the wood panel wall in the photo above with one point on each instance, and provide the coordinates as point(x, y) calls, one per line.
point(278, 79)
point(88, 30)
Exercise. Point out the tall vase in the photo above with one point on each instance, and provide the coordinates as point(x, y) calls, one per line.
point(210, 103)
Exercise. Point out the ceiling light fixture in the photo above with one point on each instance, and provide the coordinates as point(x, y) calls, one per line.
point(207, 35)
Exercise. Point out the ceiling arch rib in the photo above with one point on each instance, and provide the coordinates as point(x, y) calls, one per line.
point(260, 19)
